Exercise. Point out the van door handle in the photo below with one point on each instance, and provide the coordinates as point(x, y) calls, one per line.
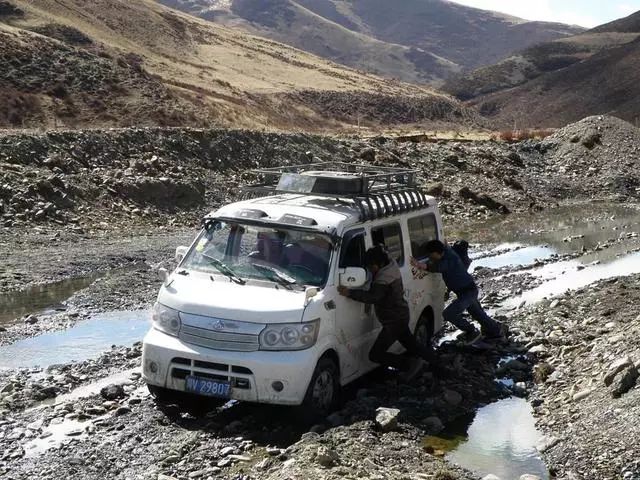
point(330, 305)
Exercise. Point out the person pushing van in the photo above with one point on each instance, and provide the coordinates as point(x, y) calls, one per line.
point(387, 296)
point(444, 260)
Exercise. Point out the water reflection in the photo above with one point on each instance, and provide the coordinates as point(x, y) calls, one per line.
point(500, 440)
point(37, 298)
point(85, 340)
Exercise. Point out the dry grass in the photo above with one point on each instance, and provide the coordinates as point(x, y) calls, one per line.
point(225, 77)
point(521, 135)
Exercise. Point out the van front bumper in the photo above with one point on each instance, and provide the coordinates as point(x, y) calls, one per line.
point(166, 362)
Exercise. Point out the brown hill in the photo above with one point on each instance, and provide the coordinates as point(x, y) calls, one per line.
point(414, 40)
point(116, 62)
point(558, 82)
point(605, 83)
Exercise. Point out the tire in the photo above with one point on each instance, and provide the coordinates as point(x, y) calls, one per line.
point(323, 393)
point(424, 331)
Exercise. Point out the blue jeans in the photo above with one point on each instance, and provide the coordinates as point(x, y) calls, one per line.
point(469, 301)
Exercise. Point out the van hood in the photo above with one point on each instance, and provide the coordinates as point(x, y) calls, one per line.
point(198, 295)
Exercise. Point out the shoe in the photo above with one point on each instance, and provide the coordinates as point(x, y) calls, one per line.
point(415, 367)
point(500, 335)
point(469, 337)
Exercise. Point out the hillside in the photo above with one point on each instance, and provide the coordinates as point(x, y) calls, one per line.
point(605, 83)
point(553, 83)
point(416, 40)
point(119, 63)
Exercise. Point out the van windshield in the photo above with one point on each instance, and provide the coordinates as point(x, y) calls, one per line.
point(277, 254)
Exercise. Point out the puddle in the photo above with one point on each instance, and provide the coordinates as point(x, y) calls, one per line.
point(518, 256)
point(500, 439)
point(85, 340)
point(563, 230)
point(39, 298)
point(56, 435)
point(121, 378)
point(575, 277)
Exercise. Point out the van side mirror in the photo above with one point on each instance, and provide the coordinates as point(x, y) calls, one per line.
point(163, 274)
point(353, 277)
point(180, 253)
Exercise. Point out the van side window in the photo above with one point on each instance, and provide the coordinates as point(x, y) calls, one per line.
point(422, 230)
point(391, 237)
point(353, 249)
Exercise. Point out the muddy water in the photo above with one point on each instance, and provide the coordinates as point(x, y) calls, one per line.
point(500, 439)
point(85, 340)
point(39, 298)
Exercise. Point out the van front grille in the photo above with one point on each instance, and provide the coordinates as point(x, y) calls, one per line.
point(181, 368)
point(234, 342)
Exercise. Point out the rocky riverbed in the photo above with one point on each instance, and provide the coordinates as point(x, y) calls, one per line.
point(575, 357)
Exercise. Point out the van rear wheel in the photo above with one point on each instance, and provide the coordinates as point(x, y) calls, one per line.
point(324, 389)
point(424, 331)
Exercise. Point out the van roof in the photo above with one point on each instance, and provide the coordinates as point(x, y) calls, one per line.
point(325, 213)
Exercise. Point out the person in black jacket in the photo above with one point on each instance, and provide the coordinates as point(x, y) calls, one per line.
point(444, 260)
point(387, 296)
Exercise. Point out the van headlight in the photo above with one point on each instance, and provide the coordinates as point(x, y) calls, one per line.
point(166, 319)
point(290, 336)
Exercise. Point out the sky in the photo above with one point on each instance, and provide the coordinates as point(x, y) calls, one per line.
point(586, 13)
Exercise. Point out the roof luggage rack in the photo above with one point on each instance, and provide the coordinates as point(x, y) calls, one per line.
point(377, 191)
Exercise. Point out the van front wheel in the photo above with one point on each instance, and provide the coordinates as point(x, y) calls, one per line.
point(324, 389)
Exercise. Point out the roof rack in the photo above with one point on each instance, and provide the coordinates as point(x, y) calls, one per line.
point(377, 191)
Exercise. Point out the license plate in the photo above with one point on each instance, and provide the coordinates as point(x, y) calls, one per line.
point(208, 387)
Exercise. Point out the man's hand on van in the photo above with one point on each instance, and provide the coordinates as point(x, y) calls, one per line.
point(342, 290)
point(417, 264)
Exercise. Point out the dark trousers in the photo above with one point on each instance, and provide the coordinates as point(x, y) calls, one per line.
point(469, 301)
point(391, 334)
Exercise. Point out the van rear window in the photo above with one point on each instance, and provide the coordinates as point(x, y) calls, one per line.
point(422, 230)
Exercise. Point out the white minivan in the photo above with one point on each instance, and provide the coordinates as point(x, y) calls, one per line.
point(252, 312)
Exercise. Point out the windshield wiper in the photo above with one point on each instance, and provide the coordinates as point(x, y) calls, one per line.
point(225, 270)
point(278, 276)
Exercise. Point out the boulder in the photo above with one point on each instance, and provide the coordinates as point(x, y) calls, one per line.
point(433, 425)
point(624, 381)
point(387, 418)
point(615, 368)
point(112, 392)
point(326, 457)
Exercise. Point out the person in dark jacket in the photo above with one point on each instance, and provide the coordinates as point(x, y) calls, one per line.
point(444, 260)
point(387, 296)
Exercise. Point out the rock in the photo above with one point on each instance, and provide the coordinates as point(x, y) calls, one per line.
point(491, 477)
point(387, 418)
point(433, 425)
point(368, 155)
point(31, 319)
point(615, 368)
point(538, 349)
point(529, 477)
point(162, 476)
point(546, 443)
point(582, 395)
point(227, 451)
point(239, 458)
point(112, 392)
point(122, 411)
point(326, 456)
point(542, 372)
point(452, 397)
point(624, 381)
